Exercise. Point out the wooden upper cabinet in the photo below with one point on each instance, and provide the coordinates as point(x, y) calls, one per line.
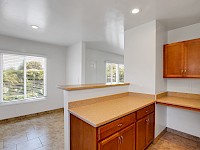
point(192, 59)
point(182, 59)
point(173, 60)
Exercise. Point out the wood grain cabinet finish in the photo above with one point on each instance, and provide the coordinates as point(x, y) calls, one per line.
point(181, 60)
point(145, 128)
point(121, 134)
point(123, 140)
point(111, 128)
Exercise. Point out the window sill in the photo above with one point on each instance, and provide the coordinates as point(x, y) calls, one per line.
point(22, 101)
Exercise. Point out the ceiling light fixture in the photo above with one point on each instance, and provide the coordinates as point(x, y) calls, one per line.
point(35, 27)
point(135, 11)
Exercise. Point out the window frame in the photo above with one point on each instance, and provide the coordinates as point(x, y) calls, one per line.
point(25, 100)
point(117, 72)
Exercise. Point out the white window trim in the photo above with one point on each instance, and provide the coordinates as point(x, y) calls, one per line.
point(26, 100)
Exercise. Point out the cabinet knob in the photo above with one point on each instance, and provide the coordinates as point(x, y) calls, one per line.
point(119, 125)
point(146, 111)
point(182, 71)
point(185, 70)
point(147, 120)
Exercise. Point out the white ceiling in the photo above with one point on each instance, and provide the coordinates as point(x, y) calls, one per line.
point(64, 22)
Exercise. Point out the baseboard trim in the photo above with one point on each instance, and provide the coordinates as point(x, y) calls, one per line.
point(31, 115)
point(185, 135)
point(159, 136)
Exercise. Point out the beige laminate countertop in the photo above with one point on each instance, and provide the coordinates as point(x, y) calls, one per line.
point(187, 103)
point(104, 112)
point(89, 86)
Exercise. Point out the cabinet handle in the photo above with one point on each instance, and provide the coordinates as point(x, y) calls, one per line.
point(119, 139)
point(122, 138)
point(119, 125)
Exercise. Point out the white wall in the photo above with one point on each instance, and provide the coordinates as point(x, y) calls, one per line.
point(161, 39)
point(161, 83)
point(161, 119)
point(75, 60)
point(140, 58)
point(179, 119)
point(95, 64)
point(184, 120)
point(143, 64)
point(55, 75)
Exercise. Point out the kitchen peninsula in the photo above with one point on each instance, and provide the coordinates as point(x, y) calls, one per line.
point(98, 116)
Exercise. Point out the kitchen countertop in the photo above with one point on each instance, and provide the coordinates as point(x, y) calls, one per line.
point(104, 112)
point(187, 103)
point(89, 86)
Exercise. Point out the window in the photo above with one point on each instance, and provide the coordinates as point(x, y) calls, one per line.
point(22, 77)
point(114, 73)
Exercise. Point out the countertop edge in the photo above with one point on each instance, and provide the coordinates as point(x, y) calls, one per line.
point(88, 86)
point(109, 120)
point(177, 105)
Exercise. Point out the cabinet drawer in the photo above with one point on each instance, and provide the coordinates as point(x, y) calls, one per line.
point(145, 111)
point(111, 128)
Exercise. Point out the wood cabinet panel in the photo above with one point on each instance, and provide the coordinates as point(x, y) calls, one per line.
point(111, 142)
point(128, 138)
point(123, 140)
point(115, 126)
point(141, 131)
point(145, 111)
point(150, 128)
point(192, 60)
point(82, 135)
point(173, 60)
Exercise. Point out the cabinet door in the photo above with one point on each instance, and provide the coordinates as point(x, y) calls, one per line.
point(141, 131)
point(128, 138)
point(192, 52)
point(110, 143)
point(173, 60)
point(150, 128)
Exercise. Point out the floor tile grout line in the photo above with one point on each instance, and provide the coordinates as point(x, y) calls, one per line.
point(40, 141)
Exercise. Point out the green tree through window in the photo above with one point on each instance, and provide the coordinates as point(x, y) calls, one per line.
point(21, 82)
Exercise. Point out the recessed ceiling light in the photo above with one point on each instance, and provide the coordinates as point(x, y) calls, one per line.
point(135, 10)
point(35, 27)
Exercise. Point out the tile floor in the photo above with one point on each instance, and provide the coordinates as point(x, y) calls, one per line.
point(170, 141)
point(46, 132)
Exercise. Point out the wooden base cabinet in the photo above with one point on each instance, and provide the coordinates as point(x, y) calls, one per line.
point(116, 135)
point(121, 134)
point(145, 128)
point(123, 140)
